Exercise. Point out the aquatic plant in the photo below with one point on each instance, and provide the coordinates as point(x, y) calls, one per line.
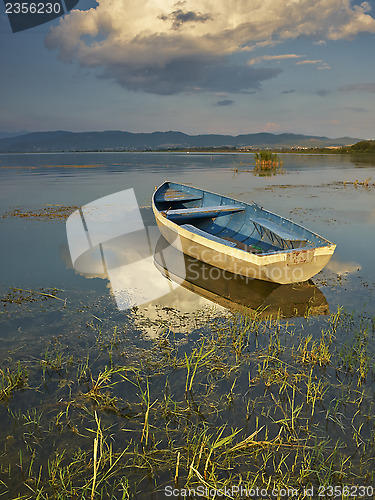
point(267, 163)
point(11, 380)
point(247, 400)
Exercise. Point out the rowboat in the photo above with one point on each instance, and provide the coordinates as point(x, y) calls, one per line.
point(238, 237)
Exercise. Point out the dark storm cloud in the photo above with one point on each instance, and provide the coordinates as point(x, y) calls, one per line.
point(191, 75)
point(179, 17)
point(224, 102)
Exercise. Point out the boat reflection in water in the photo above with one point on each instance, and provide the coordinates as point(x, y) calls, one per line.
point(239, 293)
point(170, 290)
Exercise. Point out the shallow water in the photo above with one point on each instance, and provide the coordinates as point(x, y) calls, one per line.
point(318, 192)
point(65, 326)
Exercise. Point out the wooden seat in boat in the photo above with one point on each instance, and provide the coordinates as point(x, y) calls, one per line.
point(264, 225)
point(171, 195)
point(214, 211)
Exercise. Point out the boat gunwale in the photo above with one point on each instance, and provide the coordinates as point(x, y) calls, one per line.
point(327, 246)
point(256, 259)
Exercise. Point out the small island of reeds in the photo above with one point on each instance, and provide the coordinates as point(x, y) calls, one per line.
point(267, 163)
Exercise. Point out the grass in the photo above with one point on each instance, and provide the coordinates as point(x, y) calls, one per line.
point(262, 403)
point(11, 380)
point(266, 164)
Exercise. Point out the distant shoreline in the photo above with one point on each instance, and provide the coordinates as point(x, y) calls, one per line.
point(314, 151)
point(120, 141)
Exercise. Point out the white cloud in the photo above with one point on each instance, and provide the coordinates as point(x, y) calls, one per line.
point(322, 64)
point(257, 60)
point(309, 61)
point(144, 45)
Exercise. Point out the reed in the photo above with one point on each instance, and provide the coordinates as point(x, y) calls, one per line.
point(252, 401)
point(11, 380)
point(267, 163)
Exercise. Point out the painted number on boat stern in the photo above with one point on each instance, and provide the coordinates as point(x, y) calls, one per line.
point(301, 257)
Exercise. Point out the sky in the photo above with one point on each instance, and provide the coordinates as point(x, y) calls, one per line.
point(195, 66)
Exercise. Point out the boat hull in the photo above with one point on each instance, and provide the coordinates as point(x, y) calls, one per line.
point(238, 293)
point(286, 267)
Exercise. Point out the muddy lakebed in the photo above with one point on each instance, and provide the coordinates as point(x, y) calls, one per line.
point(213, 385)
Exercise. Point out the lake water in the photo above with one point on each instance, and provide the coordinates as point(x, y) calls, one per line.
point(323, 193)
point(160, 384)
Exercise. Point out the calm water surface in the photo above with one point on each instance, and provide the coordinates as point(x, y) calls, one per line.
point(65, 327)
point(315, 191)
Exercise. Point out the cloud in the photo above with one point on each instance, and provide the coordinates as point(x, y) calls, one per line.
point(355, 109)
point(190, 75)
point(322, 93)
point(272, 127)
point(309, 61)
point(291, 91)
point(323, 65)
point(358, 87)
point(257, 60)
point(224, 102)
point(180, 17)
point(164, 46)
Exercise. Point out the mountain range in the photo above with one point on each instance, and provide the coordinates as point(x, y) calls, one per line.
point(115, 140)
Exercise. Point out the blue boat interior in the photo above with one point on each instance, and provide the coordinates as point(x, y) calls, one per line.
point(237, 224)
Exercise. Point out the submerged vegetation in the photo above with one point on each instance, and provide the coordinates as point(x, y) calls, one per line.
point(48, 213)
point(243, 400)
